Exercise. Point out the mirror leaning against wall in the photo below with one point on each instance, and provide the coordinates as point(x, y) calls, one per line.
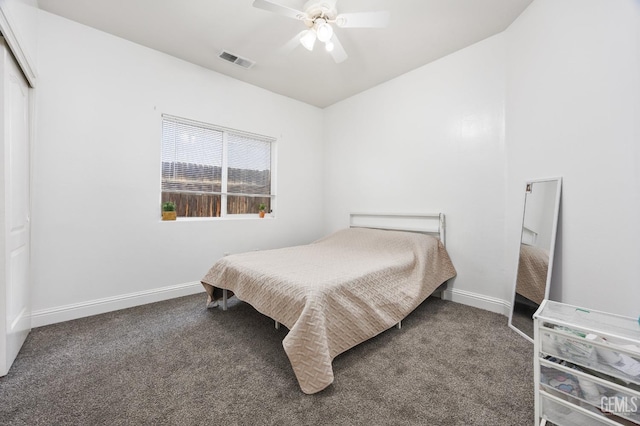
point(535, 258)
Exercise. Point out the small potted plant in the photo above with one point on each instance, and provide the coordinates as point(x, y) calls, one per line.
point(169, 211)
point(261, 209)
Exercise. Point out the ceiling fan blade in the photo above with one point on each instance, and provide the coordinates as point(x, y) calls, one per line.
point(338, 53)
point(293, 43)
point(363, 19)
point(279, 9)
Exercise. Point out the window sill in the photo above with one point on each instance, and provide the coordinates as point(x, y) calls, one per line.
point(218, 219)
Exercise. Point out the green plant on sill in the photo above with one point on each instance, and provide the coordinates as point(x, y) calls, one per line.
point(262, 207)
point(169, 207)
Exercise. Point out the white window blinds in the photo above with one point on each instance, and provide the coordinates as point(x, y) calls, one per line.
point(191, 158)
point(249, 170)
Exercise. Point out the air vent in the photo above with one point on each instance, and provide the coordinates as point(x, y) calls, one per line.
point(235, 59)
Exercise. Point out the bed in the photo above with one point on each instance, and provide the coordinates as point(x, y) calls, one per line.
point(340, 290)
point(532, 273)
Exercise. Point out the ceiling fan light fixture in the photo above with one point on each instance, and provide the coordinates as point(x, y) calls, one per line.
point(329, 46)
point(308, 40)
point(324, 30)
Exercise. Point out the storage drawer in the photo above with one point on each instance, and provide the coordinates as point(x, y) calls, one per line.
point(587, 353)
point(623, 330)
point(593, 391)
point(562, 413)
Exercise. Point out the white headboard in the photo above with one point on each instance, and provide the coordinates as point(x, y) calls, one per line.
point(529, 236)
point(426, 223)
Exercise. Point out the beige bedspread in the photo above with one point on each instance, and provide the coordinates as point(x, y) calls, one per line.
point(336, 292)
point(532, 273)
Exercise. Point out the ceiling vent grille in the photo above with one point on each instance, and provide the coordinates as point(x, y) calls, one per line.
point(235, 59)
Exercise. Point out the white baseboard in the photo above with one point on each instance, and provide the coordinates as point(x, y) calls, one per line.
point(100, 306)
point(476, 300)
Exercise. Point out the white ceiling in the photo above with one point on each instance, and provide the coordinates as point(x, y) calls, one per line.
point(419, 31)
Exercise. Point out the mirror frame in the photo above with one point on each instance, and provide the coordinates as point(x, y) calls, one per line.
point(554, 228)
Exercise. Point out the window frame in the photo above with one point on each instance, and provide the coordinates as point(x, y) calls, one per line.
point(224, 194)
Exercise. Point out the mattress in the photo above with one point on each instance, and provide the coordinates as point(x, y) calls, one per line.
point(336, 292)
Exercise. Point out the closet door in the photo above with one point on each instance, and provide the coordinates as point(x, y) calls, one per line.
point(15, 311)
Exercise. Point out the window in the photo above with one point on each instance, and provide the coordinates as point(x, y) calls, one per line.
point(209, 171)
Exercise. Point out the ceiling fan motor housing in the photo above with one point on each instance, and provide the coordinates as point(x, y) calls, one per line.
point(315, 10)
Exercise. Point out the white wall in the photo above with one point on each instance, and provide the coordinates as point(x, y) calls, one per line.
point(96, 230)
point(431, 140)
point(573, 110)
point(557, 94)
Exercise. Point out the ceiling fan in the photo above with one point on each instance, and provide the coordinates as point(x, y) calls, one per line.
point(319, 16)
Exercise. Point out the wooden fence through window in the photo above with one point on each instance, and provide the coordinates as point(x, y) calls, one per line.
point(180, 177)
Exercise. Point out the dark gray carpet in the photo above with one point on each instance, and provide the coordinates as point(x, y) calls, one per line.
point(175, 362)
